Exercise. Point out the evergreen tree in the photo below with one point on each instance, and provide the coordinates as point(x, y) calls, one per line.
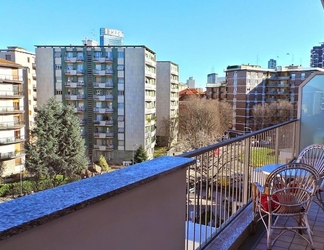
point(140, 155)
point(57, 147)
point(103, 163)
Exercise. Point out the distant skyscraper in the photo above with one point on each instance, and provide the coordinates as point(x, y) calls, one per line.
point(272, 64)
point(110, 37)
point(316, 57)
point(191, 82)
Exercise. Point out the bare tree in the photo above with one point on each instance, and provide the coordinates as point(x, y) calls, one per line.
point(202, 121)
point(169, 130)
point(267, 114)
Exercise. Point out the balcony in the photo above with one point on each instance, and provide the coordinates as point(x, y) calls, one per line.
point(79, 109)
point(103, 85)
point(11, 140)
point(11, 110)
point(11, 94)
point(11, 155)
point(103, 147)
point(103, 123)
point(75, 97)
point(70, 84)
point(103, 97)
point(11, 79)
point(11, 125)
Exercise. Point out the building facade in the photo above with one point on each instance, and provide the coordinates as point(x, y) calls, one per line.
point(272, 64)
point(316, 56)
point(113, 90)
point(27, 60)
point(12, 121)
point(111, 37)
point(191, 82)
point(248, 85)
point(167, 99)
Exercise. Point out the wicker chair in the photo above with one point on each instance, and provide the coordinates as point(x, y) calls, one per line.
point(313, 155)
point(287, 192)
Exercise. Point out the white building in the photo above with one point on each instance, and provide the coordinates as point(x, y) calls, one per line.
point(191, 82)
point(12, 125)
point(167, 87)
point(113, 90)
point(27, 60)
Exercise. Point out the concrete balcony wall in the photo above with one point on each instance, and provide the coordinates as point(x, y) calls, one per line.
point(146, 211)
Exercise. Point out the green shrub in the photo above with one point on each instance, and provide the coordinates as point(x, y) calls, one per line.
point(4, 190)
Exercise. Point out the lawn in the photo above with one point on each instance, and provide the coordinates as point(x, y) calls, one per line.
point(160, 151)
point(261, 157)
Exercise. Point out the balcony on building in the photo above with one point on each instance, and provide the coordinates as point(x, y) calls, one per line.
point(71, 84)
point(11, 140)
point(11, 79)
point(159, 204)
point(103, 85)
point(11, 94)
point(11, 110)
point(11, 125)
point(80, 109)
point(103, 123)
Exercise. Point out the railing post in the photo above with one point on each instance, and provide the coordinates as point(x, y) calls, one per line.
point(277, 146)
point(246, 169)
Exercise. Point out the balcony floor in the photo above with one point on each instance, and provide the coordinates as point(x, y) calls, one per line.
point(290, 240)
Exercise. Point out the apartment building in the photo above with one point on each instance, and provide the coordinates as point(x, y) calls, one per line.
point(113, 90)
point(248, 85)
point(12, 125)
point(167, 102)
point(27, 60)
point(316, 56)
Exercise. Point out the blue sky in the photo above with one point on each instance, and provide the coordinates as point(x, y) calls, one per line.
point(201, 36)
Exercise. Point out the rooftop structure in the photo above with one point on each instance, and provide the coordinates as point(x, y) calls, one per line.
point(111, 37)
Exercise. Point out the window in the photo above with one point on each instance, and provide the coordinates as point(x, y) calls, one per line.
point(28, 59)
point(302, 76)
point(121, 92)
point(57, 66)
point(58, 92)
point(57, 54)
point(8, 57)
point(120, 105)
point(120, 67)
point(293, 76)
point(121, 54)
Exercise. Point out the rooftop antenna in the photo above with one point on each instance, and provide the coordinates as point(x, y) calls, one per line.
point(93, 34)
point(257, 59)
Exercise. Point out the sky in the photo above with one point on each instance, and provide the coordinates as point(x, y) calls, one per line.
point(202, 36)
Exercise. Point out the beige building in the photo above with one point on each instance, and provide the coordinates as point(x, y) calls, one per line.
point(28, 60)
point(167, 100)
point(12, 125)
point(248, 85)
point(113, 91)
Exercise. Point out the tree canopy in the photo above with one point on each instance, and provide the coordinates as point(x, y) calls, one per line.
point(202, 121)
point(57, 147)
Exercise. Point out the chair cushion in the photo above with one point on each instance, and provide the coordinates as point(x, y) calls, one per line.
point(264, 202)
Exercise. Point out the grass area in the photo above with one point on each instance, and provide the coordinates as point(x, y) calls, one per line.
point(261, 157)
point(160, 151)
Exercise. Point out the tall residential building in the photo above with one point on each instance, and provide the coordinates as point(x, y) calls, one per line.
point(111, 37)
point(28, 60)
point(167, 102)
point(191, 82)
point(248, 85)
point(272, 64)
point(12, 125)
point(316, 56)
point(113, 91)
